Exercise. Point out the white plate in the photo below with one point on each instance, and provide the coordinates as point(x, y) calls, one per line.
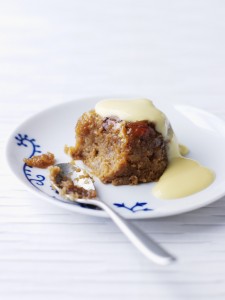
point(50, 130)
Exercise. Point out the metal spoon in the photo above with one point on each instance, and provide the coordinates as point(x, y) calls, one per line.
point(152, 250)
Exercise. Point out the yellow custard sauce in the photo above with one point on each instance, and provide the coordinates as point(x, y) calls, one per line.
point(182, 177)
point(183, 150)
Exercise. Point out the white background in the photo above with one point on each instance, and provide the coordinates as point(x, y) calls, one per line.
point(55, 51)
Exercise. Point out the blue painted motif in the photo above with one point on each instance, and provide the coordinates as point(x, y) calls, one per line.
point(139, 206)
point(25, 141)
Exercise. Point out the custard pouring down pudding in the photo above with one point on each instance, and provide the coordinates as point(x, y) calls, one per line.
point(131, 142)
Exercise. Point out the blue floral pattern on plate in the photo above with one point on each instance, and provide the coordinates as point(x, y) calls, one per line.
point(139, 206)
point(24, 140)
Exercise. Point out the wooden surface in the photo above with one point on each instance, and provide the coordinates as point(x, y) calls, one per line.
point(54, 51)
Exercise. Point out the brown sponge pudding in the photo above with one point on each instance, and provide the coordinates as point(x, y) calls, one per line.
point(120, 152)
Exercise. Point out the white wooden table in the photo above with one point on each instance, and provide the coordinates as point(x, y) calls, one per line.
point(54, 51)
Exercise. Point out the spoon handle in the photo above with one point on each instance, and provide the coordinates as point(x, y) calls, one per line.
point(152, 250)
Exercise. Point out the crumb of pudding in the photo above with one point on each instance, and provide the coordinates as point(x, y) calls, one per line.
point(41, 161)
point(69, 150)
point(68, 187)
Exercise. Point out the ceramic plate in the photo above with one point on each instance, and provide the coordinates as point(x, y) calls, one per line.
point(50, 130)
